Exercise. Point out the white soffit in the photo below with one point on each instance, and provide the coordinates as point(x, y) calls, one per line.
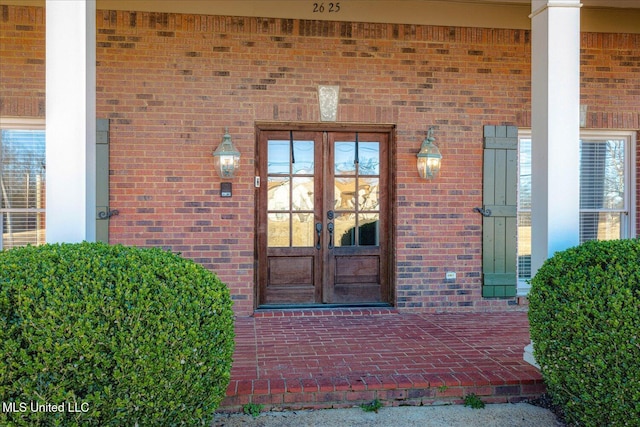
point(614, 16)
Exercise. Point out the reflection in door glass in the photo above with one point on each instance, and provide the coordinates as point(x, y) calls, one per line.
point(303, 232)
point(278, 157)
point(303, 154)
point(345, 230)
point(344, 193)
point(368, 196)
point(278, 229)
point(356, 193)
point(368, 229)
point(278, 194)
point(290, 193)
point(369, 158)
point(344, 158)
point(302, 194)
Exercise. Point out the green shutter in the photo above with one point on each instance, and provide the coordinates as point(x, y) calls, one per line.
point(499, 224)
point(102, 180)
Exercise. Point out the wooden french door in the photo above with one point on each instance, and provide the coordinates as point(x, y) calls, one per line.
point(323, 216)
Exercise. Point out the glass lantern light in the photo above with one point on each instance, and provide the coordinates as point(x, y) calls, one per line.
point(429, 157)
point(226, 158)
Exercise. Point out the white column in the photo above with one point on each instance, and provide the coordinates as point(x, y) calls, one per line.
point(555, 93)
point(70, 120)
point(555, 119)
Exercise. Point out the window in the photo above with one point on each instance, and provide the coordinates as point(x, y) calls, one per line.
point(606, 193)
point(524, 209)
point(22, 182)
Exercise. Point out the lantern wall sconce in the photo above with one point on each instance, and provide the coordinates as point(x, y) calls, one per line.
point(429, 157)
point(226, 158)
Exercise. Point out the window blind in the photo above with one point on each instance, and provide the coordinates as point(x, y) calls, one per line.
point(524, 209)
point(22, 187)
point(602, 189)
point(604, 194)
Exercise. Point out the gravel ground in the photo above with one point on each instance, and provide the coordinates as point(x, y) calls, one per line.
point(495, 415)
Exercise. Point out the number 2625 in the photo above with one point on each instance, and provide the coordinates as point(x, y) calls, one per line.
point(331, 7)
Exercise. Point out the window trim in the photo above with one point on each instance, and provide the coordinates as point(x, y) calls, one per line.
point(22, 123)
point(630, 179)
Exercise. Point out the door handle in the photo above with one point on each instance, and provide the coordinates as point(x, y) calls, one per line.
point(330, 228)
point(319, 232)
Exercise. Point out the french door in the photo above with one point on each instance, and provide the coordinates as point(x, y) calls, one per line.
point(323, 216)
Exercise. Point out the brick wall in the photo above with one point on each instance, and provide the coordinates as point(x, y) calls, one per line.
point(171, 83)
point(22, 56)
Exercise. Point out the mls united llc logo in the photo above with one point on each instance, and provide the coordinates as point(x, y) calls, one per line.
point(44, 407)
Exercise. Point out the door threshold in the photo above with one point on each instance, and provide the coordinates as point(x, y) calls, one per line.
point(273, 310)
point(320, 306)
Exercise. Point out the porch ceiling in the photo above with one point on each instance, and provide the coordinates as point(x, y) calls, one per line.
point(614, 16)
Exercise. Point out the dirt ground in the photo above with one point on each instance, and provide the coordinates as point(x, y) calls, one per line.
point(495, 415)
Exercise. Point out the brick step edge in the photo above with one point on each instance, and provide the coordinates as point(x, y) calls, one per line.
point(320, 312)
point(278, 399)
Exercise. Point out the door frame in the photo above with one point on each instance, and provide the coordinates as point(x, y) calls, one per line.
point(260, 271)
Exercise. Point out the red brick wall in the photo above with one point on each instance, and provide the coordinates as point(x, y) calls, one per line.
point(171, 83)
point(22, 56)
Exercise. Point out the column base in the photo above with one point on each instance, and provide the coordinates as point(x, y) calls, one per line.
point(529, 357)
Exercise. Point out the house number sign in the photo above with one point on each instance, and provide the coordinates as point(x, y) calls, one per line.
point(326, 7)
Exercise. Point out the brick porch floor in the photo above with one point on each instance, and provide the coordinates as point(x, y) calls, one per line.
point(340, 358)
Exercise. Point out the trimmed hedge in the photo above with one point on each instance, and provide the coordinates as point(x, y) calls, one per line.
point(584, 315)
point(101, 335)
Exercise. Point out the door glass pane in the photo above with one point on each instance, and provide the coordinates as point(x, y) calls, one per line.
point(369, 158)
point(278, 157)
point(303, 154)
point(278, 229)
point(345, 158)
point(368, 194)
point(345, 193)
point(290, 193)
point(278, 194)
point(302, 194)
point(368, 229)
point(345, 230)
point(303, 231)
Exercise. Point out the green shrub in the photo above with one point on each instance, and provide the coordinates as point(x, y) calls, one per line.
point(373, 406)
point(120, 335)
point(473, 401)
point(252, 409)
point(585, 324)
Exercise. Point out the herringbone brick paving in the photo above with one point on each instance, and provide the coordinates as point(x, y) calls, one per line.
point(337, 358)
